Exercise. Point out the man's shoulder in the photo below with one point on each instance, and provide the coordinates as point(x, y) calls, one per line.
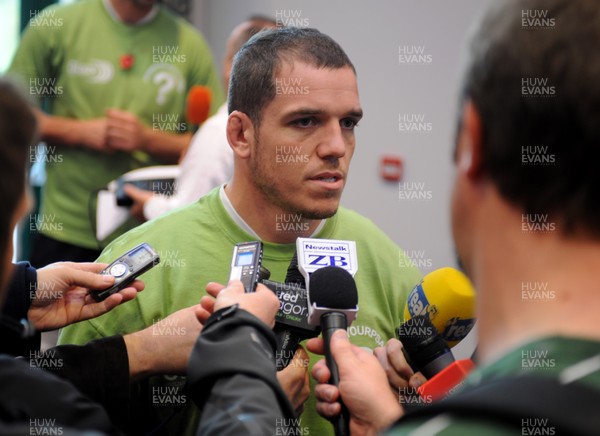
point(174, 225)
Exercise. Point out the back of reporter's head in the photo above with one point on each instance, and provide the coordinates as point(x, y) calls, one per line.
point(17, 130)
point(534, 78)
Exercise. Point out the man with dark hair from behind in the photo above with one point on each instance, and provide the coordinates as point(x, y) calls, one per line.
point(292, 148)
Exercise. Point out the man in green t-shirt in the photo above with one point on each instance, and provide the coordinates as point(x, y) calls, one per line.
point(114, 76)
point(293, 108)
point(526, 224)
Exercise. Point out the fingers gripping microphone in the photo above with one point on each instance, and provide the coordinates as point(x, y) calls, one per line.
point(333, 303)
point(427, 352)
point(447, 297)
point(425, 347)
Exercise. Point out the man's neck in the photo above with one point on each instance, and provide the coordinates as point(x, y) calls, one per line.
point(271, 223)
point(533, 284)
point(130, 12)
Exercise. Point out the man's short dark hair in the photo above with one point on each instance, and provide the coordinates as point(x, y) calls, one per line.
point(17, 130)
point(534, 78)
point(252, 82)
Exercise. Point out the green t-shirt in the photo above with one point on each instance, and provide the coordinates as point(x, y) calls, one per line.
point(195, 244)
point(70, 59)
point(547, 357)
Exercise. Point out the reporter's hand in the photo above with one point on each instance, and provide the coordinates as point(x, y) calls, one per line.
point(399, 373)
point(139, 197)
point(61, 296)
point(165, 347)
point(363, 387)
point(263, 303)
point(294, 379)
point(124, 131)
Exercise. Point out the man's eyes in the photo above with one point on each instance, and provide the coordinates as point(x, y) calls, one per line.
point(305, 122)
point(349, 123)
point(346, 123)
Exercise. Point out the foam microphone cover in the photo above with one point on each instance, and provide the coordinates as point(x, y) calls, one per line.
point(333, 287)
point(198, 104)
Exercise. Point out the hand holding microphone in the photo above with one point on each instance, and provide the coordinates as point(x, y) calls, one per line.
point(333, 299)
point(439, 313)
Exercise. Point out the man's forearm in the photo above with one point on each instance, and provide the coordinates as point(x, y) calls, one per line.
point(165, 146)
point(72, 132)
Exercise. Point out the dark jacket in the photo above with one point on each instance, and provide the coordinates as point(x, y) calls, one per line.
point(232, 378)
point(65, 385)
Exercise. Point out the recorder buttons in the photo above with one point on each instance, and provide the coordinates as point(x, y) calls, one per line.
point(118, 269)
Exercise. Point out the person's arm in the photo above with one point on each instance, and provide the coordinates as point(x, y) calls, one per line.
point(18, 295)
point(103, 369)
point(72, 132)
point(231, 373)
point(46, 403)
point(126, 132)
point(14, 313)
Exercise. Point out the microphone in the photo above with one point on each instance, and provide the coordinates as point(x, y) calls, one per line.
point(291, 321)
point(427, 351)
point(333, 303)
point(447, 297)
point(314, 254)
point(198, 104)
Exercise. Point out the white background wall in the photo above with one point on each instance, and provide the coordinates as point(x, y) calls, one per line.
point(371, 32)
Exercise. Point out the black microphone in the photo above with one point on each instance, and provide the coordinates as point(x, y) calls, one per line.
point(333, 299)
point(426, 351)
point(293, 299)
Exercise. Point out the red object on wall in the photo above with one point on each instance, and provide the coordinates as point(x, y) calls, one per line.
point(392, 168)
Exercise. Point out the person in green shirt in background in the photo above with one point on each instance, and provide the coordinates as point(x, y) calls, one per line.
point(116, 74)
point(293, 108)
point(526, 223)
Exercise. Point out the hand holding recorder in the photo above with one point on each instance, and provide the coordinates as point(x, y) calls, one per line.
point(62, 294)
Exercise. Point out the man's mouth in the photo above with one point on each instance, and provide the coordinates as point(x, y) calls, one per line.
point(330, 177)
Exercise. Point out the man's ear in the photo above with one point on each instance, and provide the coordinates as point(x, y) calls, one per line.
point(240, 134)
point(469, 158)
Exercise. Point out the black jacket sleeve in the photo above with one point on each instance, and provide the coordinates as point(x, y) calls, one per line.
point(44, 403)
point(20, 288)
point(99, 370)
point(15, 308)
point(232, 377)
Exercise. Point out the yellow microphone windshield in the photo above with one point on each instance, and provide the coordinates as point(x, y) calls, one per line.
point(447, 297)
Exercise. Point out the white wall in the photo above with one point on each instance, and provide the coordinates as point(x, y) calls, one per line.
point(371, 32)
